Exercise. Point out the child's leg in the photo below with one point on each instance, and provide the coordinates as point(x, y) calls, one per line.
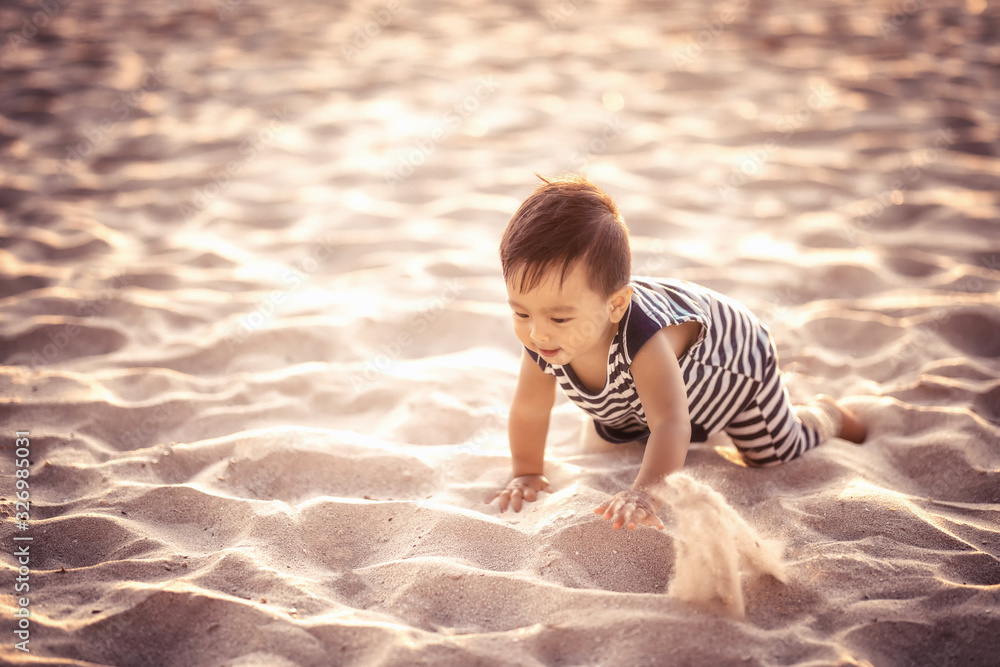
point(770, 430)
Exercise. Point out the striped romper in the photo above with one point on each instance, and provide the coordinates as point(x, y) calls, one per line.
point(730, 373)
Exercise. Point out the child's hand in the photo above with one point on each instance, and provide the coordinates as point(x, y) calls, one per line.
point(525, 487)
point(628, 508)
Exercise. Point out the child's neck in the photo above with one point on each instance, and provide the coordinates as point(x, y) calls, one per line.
point(592, 369)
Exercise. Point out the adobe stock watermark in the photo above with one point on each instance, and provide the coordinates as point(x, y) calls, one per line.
point(223, 8)
point(958, 646)
point(377, 364)
point(496, 422)
point(22, 552)
point(223, 176)
point(293, 278)
point(922, 334)
point(901, 13)
point(424, 148)
point(751, 166)
point(63, 338)
point(120, 110)
point(28, 30)
point(599, 144)
point(651, 260)
point(363, 35)
point(710, 31)
point(975, 283)
point(780, 308)
point(867, 213)
point(560, 13)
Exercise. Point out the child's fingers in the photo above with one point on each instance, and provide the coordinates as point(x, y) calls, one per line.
point(633, 515)
point(520, 490)
point(623, 510)
point(630, 512)
point(516, 497)
point(504, 497)
point(647, 517)
point(636, 516)
point(618, 513)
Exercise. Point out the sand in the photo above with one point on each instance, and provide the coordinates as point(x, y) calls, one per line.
point(252, 317)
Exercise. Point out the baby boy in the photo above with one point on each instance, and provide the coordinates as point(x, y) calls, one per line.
point(663, 361)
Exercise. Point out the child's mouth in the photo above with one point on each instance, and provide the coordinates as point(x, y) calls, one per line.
point(548, 353)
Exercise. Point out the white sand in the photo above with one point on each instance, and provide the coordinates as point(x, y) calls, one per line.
point(252, 315)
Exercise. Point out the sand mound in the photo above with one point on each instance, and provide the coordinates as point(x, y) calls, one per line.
point(251, 313)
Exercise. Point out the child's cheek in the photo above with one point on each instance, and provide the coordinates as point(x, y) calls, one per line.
point(585, 331)
point(520, 329)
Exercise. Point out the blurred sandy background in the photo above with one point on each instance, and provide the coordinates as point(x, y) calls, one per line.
point(251, 313)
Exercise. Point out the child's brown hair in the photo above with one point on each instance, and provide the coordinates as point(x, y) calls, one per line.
point(563, 221)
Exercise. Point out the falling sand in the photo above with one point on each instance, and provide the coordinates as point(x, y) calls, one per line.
point(715, 545)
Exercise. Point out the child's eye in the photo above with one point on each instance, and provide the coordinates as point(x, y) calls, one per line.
point(560, 320)
point(523, 316)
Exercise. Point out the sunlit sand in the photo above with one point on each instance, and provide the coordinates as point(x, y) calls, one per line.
point(251, 314)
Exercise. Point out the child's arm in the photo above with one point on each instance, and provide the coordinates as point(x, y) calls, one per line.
point(660, 386)
point(527, 429)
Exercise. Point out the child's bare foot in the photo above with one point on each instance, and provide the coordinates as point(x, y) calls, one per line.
point(851, 428)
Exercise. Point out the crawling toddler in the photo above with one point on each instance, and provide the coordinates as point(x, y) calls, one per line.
point(658, 360)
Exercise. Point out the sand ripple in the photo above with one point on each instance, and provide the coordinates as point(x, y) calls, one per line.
point(252, 314)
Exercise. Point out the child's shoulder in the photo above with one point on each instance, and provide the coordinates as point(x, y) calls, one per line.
point(669, 285)
point(658, 303)
point(685, 294)
point(670, 299)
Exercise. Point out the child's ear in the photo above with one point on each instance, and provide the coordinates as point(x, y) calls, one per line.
point(618, 303)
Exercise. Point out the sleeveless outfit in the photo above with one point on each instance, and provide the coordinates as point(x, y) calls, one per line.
point(730, 375)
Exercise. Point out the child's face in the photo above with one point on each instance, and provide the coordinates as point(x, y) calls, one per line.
point(567, 321)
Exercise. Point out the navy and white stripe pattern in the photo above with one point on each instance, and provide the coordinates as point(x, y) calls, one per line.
point(730, 374)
